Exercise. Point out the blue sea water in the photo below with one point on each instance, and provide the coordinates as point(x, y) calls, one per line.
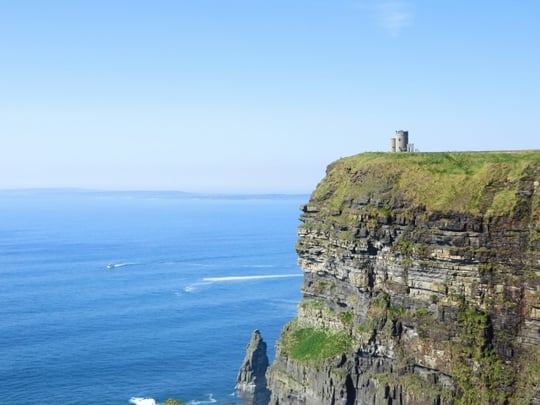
point(109, 298)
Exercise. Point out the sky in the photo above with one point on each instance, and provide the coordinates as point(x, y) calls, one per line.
point(255, 95)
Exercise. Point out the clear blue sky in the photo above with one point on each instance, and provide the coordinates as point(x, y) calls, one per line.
point(254, 95)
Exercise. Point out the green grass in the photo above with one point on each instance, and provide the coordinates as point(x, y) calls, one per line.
point(346, 317)
point(315, 304)
point(415, 386)
point(481, 375)
point(475, 182)
point(309, 344)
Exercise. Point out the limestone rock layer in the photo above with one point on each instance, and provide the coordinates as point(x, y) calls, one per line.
point(421, 283)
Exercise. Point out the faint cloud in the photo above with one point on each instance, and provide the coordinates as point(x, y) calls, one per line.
point(392, 16)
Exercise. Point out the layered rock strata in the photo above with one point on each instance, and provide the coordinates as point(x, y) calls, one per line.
point(421, 284)
point(251, 385)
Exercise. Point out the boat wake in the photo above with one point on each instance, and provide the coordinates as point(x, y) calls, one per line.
point(190, 288)
point(117, 265)
point(246, 278)
point(207, 281)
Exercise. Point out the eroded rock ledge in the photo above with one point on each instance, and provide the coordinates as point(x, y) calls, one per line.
point(421, 283)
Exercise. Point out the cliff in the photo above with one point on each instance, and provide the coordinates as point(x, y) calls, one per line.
point(421, 283)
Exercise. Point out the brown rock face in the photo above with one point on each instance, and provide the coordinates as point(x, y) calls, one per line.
point(421, 284)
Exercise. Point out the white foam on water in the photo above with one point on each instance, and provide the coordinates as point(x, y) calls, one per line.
point(142, 401)
point(116, 265)
point(193, 287)
point(190, 288)
point(211, 400)
point(246, 278)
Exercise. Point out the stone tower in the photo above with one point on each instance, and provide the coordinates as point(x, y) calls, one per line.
point(401, 142)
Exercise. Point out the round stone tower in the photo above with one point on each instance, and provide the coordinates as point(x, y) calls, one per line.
point(392, 144)
point(402, 140)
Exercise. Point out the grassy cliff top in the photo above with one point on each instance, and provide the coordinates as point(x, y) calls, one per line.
point(478, 183)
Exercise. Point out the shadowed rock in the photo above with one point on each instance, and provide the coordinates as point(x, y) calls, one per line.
point(251, 381)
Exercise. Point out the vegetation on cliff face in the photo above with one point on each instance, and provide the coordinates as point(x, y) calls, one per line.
point(475, 183)
point(310, 344)
point(478, 369)
point(422, 277)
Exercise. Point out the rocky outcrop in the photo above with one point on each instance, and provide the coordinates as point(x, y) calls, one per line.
point(421, 284)
point(251, 381)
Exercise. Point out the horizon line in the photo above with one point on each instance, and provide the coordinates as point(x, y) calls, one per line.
point(142, 190)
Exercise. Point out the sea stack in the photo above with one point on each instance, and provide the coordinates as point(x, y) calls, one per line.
point(251, 381)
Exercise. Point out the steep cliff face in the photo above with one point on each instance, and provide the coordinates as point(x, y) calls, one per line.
point(421, 283)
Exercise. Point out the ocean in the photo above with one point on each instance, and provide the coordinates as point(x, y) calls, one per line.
point(133, 298)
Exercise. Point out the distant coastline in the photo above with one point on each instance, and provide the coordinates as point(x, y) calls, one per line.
point(165, 194)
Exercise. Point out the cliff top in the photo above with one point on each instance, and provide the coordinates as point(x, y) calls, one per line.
point(477, 183)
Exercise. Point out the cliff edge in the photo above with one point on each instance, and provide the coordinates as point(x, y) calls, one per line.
point(421, 283)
